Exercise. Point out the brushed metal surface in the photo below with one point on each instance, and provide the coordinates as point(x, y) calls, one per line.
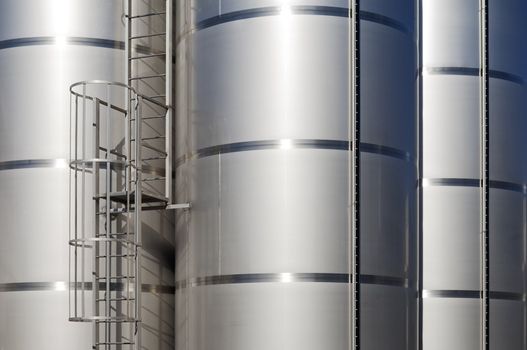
point(45, 46)
point(263, 157)
point(451, 178)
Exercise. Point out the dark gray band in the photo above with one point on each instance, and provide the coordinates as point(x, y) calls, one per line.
point(291, 278)
point(471, 294)
point(33, 163)
point(468, 71)
point(339, 145)
point(63, 286)
point(72, 40)
point(300, 10)
point(51, 40)
point(462, 182)
point(58, 163)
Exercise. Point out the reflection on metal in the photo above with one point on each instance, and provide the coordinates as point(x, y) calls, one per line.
point(460, 182)
point(289, 277)
point(471, 294)
point(295, 144)
point(300, 10)
point(62, 286)
point(475, 72)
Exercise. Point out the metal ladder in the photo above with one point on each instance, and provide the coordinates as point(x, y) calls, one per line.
point(107, 180)
point(105, 245)
point(149, 73)
point(121, 161)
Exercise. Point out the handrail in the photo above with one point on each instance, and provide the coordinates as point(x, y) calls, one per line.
point(112, 83)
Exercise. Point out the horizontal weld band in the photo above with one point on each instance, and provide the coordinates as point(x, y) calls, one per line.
point(59, 163)
point(33, 163)
point(469, 71)
point(63, 286)
point(51, 40)
point(287, 277)
point(471, 294)
point(299, 10)
point(463, 182)
point(295, 144)
point(72, 40)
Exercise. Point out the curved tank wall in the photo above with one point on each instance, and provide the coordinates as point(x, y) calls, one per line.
point(263, 257)
point(451, 202)
point(45, 46)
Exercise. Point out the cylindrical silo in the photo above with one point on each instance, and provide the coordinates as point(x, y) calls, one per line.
point(264, 99)
point(453, 264)
point(45, 46)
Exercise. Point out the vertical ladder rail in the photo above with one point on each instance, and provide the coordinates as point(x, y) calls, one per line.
point(168, 100)
point(83, 201)
point(108, 248)
point(96, 250)
point(138, 223)
point(484, 175)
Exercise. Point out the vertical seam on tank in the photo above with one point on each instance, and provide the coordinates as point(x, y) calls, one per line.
point(349, 169)
point(420, 232)
point(524, 269)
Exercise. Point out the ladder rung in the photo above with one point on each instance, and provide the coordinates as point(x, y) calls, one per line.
point(116, 234)
point(151, 138)
point(114, 343)
point(114, 278)
point(146, 145)
point(114, 256)
point(115, 299)
point(113, 211)
point(151, 117)
point(147, 56)
point(156, 96)
point(154, 179)
point(120, 155)
point(148, 77)
point(154, 117)
point(153, 158)
point(148, 15)
point(147, 36)
point(116, 320)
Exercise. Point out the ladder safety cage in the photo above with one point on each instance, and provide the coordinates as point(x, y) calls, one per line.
point(106, 201)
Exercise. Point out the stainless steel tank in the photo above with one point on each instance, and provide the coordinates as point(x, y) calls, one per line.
point(45, 46)
point(263, 138)
point(452, 260)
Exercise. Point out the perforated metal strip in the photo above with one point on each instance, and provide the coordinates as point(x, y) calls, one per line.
point(484, 174)
point(356, 170)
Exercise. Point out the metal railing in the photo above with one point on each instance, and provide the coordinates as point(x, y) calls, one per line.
point(106, 200)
